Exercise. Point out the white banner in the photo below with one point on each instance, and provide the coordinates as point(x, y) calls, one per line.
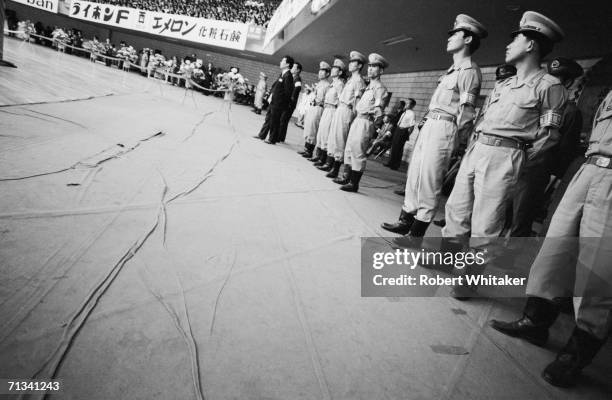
point(47, 5)
point(106, 14)
point(232, 35)
point(200, 30)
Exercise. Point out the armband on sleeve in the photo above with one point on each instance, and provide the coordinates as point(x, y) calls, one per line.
point(467, 98)
point(298, 84)
point(551, 119)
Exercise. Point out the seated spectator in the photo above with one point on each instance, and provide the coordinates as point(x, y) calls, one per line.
point(383, 139)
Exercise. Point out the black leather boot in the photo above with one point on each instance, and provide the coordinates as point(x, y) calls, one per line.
point(335, 169)
point(418, 228)
point(309, 150)
point(353, 185)
point(414, 238)
point(577, 354)
point(327, 164)
point(539, 314)
point(402, 226)
point(305, 149)
point(316, 155)
point(322, 159)
point(345, 178)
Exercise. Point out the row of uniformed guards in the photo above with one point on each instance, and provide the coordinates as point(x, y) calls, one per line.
point(519, 126)
point(339, 123)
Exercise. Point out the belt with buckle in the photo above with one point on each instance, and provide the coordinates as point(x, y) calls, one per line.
point(440, 116)
point(600, 161)
point(330, 105)
point(498, 141)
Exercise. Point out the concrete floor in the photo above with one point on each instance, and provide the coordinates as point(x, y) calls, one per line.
point(151, 249)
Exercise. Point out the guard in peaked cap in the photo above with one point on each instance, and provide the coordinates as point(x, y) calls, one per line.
point(538, 23)
point(467, 23)
point(324, 66)
point(339, 64)
point(357, 56)
point(564, 68)
point(377, 59)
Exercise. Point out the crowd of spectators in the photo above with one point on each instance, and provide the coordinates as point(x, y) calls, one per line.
point(257, 12)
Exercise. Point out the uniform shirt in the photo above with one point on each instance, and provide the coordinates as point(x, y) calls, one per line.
point(372, 98)
point(460, 85)
point(352, 90)
point(320, 90)
point(331, 96)
point(519, 110)
point(600, 141)
point(407, 120)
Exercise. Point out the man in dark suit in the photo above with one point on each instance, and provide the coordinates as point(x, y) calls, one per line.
point(297, 88)
point(280, 101)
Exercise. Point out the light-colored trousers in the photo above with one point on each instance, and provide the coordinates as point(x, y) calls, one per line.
point(357, 143)
point(576, 257)
point(339, 130)
point(429, 162)
point(311, 123)
point(324, 127)
point(483, 186)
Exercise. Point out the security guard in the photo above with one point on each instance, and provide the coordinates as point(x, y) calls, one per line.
point(451, 111)
point(575, 260)
point(344, 115)
point(315, 110)
point(529, 192)
point(520, 121)
point(370, 106)
point(331, 103)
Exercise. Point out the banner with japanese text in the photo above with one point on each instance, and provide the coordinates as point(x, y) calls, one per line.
point(47, 5)
point(231, 35)
point(200, 30)
point(106, 14)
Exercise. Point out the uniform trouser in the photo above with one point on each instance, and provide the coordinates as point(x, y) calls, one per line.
point(400, 137)
point(324, 126)
point(429, 162)
point(339, 130)
point(285, 118)
point(482, 189)
point(575, 258)
point(527, 199)
point(357, 143)
point(560, 192)
point(311, 123)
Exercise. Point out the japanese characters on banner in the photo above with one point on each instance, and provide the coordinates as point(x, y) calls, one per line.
point(207, 31)
point(284, 14)
point(47, 5)
point(106, 14)
point(200, 30)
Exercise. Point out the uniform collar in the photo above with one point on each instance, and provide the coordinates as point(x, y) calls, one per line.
point(465, 64)
point(530, 81)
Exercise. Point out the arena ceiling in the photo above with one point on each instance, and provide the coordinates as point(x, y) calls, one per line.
point(365, 25)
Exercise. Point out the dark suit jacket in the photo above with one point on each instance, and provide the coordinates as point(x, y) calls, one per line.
point(281, 91)
point(297, 88)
